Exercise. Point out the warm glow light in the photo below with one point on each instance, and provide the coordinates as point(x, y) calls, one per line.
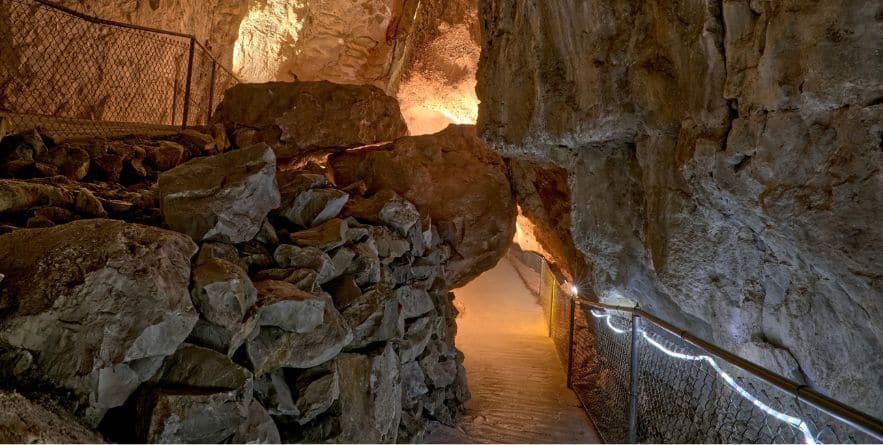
point(574, 290)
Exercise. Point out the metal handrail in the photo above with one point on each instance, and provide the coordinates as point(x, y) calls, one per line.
point(844, 413)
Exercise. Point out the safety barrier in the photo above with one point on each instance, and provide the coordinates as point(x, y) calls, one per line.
point(641, 379)
point(71, 74)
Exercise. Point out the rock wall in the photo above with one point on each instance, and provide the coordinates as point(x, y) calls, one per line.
point(180, 289)
point(723, 161)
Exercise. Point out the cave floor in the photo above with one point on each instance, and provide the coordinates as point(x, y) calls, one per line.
point(519, 391)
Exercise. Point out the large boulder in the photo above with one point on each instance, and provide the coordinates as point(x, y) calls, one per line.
point(301, 116)
point(223, 198)
point(450, 176)
point(98, 303)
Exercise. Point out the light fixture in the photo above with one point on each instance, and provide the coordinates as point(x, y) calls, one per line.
point(574, 290)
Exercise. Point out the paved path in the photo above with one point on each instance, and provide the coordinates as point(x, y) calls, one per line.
point(519, 392)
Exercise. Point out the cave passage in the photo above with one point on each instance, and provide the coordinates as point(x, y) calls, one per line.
point(519, 391)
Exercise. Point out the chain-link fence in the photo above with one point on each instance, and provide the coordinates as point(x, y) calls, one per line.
point(74, 75)
point(683, 390)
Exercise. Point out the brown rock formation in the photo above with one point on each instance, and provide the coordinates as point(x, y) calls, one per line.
point(451, 177)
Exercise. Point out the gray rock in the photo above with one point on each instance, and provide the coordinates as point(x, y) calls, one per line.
point(365, 266)
point(315, 206)
point(224, 197)
point(283, 305)
point(222, 293)
point(303, 279)
point(413, 384)
point(374, 317)
point(390, 245)
point(109, 303)
point(274, 347)
point(273, 391)
point(370, 396)
point(267, 235)
point(418, 333)
point(258, 428)
point(287, 255)
point(221, 339)
point(384, 207)
point(415, 302)
point(214, 250)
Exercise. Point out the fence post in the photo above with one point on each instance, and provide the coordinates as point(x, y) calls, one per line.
point(189, 82)
point(633, 383)
point(553, 290)
point(570, 341)
point(211, 92)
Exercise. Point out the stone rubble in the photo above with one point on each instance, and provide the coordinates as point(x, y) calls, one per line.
point(266, 304)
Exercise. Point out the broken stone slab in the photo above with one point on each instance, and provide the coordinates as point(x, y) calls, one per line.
point(291, 256)
point(300, 116)
point(317, 392)
point(326, 236)
point(274, 347)
point(415, 301)
point(222, 198)
point(374, 317)
point(315, 206)
point(283, 305)
point(110, 301)
point(222, 293)
point(384, 207)
point(370, 396)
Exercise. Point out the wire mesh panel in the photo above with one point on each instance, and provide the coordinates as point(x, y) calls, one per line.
point(62, 71)
point(686, 394)
point(561, 324)
point(548, 287)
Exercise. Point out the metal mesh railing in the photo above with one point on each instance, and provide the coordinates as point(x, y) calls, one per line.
point(75, 75)
point(684, 390)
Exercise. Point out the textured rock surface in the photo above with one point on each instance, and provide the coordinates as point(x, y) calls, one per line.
point(475, 212)
point(723, 164)
point(301, 116)
point(99, 303)
point(224, 197)
point(26, 421)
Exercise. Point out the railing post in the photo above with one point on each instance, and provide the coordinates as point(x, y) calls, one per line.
point(633, 381)
point(211, 93)
point(570, 341)
point(553, 290)
point(189, 82)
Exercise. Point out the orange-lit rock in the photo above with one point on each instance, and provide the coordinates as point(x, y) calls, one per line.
point(450, 176)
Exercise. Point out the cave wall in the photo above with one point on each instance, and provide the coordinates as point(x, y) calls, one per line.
point(724, 165)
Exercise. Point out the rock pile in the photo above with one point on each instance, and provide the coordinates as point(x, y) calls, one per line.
point(277, 308)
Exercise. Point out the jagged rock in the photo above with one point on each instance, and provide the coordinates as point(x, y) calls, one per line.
point(284, 306)
point(27, 421)
point(18, 153)
point(300, 116)
point(273, 391)
point(275, 347)
point(344, 291)
point(267, 235)
point(213, 250)
point(315, 206)
point(20, 196)
point(222, 293)
point(374, 317)
point(222, 339)
point(415, 301)
point(255, 255)
point(294, 182)
point(418, 333)
point(100, 303)
point(303, 279)
point(390, 245)
point(413, 383)
point(224, 198)
point(258, 427)
point(439, 364)
point(326, 236)
point(365, 266)
point(287, 255)
point(370, 396)
point(384, 207)
point(202, 397)
point(429, 172)
point(112, 159)
point(318, 391)
point(165, 155)
point(71, 162)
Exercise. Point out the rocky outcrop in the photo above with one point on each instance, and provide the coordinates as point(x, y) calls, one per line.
point(302, 116)
point(223, 198)
point(474, 213)
point(98, 304)
point(723, 165)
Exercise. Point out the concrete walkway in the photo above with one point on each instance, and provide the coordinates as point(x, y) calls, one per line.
point(519, 392)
